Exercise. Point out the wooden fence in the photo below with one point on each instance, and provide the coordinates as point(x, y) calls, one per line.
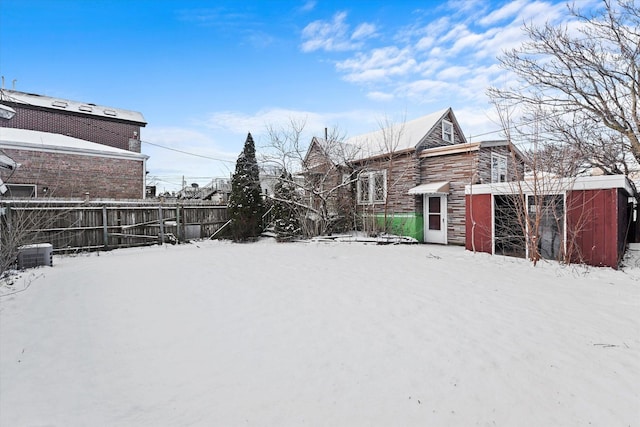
point(75, 225)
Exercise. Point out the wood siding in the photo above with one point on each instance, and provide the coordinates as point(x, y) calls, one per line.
point(478, 223)
point(434, 138)
point(594, 226)
point(458, 170)
point(402, 174)
point(515, 169)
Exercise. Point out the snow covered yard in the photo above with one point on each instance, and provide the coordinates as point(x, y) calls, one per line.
point(318, 334)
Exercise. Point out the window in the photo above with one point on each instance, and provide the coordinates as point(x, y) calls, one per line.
point(372, 187)
point(21, 190)
point(447, 131)
point(498, 168)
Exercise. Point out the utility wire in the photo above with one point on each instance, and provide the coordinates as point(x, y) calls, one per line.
point(84, 121)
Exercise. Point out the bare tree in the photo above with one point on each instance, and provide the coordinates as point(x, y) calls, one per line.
point(321, 178)
point(384, 153)
point(530, 217)
point(586, 81)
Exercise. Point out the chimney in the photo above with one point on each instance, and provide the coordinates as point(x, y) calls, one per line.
point(326, 136)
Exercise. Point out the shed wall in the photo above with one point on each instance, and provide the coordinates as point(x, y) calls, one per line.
point(478, 224)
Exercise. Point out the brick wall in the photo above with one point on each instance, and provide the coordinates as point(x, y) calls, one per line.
point(72, 175)
point(114, 133)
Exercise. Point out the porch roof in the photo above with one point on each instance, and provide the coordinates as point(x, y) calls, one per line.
point(441, 187)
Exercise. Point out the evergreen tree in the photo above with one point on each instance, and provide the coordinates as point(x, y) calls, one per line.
point(245, 202)
point(285, 208)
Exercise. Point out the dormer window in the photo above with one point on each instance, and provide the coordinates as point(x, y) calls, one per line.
point(447, 131)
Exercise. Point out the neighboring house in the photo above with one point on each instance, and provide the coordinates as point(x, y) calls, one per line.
point(410, 178)
point(582, 220)
point(67, 148)
point(53, 165)
point(217, 190)
point(110, 126)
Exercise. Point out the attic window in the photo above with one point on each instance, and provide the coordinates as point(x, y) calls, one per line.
point(447, 131)
point(110, 112)
point(60, 104)
point(85, 108)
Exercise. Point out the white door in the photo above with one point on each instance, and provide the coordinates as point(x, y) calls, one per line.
point(435, 218)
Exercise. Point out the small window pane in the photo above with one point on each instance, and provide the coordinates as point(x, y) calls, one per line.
point(378, 190)
point(447, 131)
point(363, 189)
point(434, 204)
point(434, 222)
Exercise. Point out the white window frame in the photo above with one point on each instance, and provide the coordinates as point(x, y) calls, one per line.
point(499, 164)
point(447, 131)
point(33, 187)
point(366, 187)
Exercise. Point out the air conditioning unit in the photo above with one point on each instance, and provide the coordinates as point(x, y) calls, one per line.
point(30, 256)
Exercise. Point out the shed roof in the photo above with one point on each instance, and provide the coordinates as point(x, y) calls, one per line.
point(77, 107)
point(24, 139)
point(553, 185)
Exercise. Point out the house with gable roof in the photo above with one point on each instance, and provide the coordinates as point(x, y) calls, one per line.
point(409, 178)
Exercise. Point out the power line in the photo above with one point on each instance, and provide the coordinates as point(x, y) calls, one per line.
point(187, 153)
point(86, 121)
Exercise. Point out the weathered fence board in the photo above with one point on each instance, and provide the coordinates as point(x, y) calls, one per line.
point(75, 225)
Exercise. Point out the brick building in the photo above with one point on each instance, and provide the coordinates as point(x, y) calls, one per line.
point(110, 126)
point(72, 149)
point(53, 165)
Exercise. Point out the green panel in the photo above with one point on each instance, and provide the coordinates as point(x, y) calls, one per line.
point(404, 224)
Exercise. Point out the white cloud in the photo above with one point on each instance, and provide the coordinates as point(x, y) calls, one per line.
point(363, 31)
point(308, 6)
point(380, 96)
point(425, 43)
point(378, 64)
point(509, 10)
point(455, 72)
point(335, 35)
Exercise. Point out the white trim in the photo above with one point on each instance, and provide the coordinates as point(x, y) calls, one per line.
point(444, 214)
point(371, 177)
point(452, 134)
point(450, 149)
point(553, 185)
point(505, 162)
point(72, 106)
point(34, 186)
point(29, 140)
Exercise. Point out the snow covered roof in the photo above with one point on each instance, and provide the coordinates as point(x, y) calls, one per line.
point(399, 137)
point(553, 185)
point(337, 152)
point(71, 106)
point(23, 139)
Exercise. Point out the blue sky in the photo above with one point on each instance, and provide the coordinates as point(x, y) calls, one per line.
point(204, 73)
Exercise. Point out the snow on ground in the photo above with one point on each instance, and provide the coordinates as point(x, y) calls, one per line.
point(318, 334)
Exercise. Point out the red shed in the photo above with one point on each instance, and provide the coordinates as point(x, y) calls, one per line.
point(580, 220)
